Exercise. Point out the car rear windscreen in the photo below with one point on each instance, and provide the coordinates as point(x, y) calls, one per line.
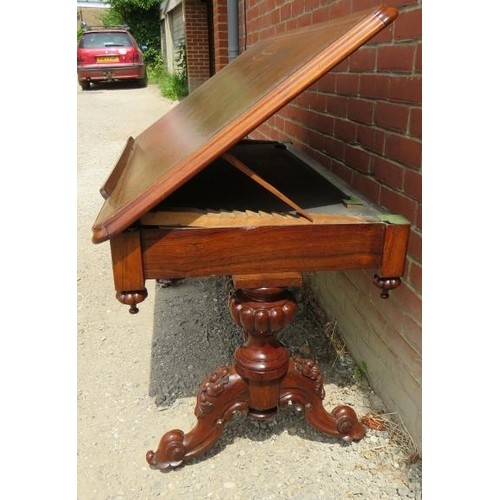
point(101, 40)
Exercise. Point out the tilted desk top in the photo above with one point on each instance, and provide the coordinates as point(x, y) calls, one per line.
point(223, 110)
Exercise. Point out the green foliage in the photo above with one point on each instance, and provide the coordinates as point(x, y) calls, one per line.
point(360, 372)
point(134, 4)
point(181, 60)
point(172, 86)
point(156, 68)
point(143, 19)
point(111, 17)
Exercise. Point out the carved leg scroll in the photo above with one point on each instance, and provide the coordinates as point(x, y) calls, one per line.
point(262, 379)
point(303, 386)
point(220, 396)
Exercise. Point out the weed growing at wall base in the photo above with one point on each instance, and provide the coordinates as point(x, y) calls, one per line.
point(172, 86)
point(360, 372)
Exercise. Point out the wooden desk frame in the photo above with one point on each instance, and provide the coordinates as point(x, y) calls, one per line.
point(263, 260)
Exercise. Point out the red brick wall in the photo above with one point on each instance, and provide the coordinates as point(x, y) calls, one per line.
point(197, 44)
point(220, 34)
point(363, 122)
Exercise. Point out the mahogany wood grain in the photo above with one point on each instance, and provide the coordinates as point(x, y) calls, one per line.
point(210, 252)
point(394, 254)
point(226, 108)
point(220, 396)
point(127, 261)
point(267, 280)
point(112, 180)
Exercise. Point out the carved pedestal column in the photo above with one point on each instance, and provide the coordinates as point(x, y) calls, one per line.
point(262, 361)
point(262, 379)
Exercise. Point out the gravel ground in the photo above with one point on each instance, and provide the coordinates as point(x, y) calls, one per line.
point(137, 374)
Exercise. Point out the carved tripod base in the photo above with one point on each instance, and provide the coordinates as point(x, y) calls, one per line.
point(263, 378)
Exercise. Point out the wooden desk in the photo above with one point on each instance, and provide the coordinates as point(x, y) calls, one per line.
point(191, 197)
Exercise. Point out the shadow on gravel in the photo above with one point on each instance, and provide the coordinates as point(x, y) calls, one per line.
point(194, 334)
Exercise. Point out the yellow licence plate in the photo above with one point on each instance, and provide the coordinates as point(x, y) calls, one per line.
point(107, 59)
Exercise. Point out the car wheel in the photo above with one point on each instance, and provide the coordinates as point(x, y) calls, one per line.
point(85, 84)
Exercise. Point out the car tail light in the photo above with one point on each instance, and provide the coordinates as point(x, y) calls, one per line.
point(136, 56)
point(83, 57)
point(129, 56)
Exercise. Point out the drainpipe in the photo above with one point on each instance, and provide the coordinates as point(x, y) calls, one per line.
point(232, 29)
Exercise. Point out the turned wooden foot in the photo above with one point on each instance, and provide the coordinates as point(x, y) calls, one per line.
point(262, 379)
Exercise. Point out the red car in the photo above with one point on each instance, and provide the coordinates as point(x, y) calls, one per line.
point(109, 55)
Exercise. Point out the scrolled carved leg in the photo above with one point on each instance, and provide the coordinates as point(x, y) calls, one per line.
point(262, 379)
point(220, 396)
point(303, 386)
